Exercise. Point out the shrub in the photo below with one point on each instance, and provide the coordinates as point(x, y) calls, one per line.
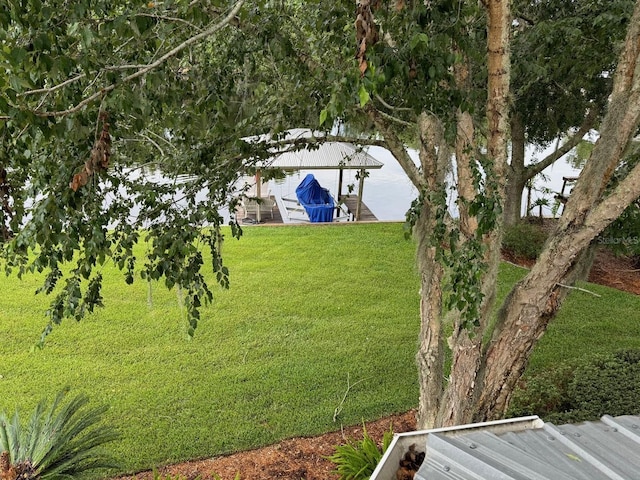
point(358, 459)
point(544, 395)
point(607, 385)
point(584, 390)
point(58, 441)
point(524, 240)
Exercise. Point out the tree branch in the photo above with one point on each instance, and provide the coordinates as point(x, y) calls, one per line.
point(627, 191)
point(49, 90)
point(124, 67)
point(370, 142)
point(391, 107)
point(338, 409)
point(103, 91)
point(579, 289)
point(533, 170)
point(397, 148)
point(397, 120)
point(171, 19)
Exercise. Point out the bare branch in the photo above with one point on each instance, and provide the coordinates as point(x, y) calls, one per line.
point(160, 137)
point(391, 107)
point(338, 409)
point(328, 138)
point(397, 120)
point(579, 289)
point(170, 19)
point(102, 92)
point(46, 91)
point(124, 67)
point(145, 139)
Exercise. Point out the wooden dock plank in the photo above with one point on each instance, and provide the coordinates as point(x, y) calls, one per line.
point(366, 215)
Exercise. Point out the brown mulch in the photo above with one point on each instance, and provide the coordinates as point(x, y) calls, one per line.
point(305, 458)
point(292, 459)
point(616, 272)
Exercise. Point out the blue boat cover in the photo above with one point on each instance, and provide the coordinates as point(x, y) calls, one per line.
point(316, 200)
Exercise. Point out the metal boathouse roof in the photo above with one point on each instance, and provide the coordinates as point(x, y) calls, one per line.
point(328, 155)
point(526, 449)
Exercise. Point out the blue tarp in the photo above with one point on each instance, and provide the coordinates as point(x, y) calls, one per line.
point(316, 200)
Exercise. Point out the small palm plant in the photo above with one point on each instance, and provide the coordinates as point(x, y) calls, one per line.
point(62, 440)
point(358, 459)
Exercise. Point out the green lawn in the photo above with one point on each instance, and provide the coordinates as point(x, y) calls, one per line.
point(311, 309)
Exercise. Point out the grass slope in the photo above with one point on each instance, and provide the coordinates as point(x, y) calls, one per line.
point(310, 311)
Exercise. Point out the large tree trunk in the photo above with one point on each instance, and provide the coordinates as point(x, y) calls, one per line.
point(458, 400)
point(430, 356)
point(435, 160)
point(535, 300)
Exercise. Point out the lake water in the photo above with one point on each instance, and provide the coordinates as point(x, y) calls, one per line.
point(388, 192)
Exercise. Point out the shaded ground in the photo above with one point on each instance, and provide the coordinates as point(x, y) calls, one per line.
point(304, 458)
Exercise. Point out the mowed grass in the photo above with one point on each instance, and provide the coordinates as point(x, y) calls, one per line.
point(602, 321)
point(311, 312)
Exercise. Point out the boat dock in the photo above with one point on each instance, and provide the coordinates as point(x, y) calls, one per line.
point(271, 212)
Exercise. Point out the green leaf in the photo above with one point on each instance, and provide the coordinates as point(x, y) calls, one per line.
point(323, 116)
point(418, 40)
point(17, 56)
point(364, 96)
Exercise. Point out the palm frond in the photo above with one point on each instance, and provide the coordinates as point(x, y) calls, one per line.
point(33, 435)
point(61, 440)
point(11, 435)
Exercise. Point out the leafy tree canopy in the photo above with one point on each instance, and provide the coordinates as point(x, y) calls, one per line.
point(564, 55)
point(123, 121)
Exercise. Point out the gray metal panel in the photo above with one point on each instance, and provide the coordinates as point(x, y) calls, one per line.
point(329, 155)
point(607, 449)
point(484, 455)
point(321, 156)
point(604, 447)
point(544, 445)
point(388, 466)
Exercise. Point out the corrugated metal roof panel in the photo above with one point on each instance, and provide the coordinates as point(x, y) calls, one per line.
point(329, 155)
point(388, 466)
point(554, 454)
point(320, 156)
point(607, 449)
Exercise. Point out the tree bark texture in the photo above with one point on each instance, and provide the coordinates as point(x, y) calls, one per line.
point(499, 71)
point(516, 173)
point(466, 190)
point(535, 300)
point(434, 160)
point(457, 404)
